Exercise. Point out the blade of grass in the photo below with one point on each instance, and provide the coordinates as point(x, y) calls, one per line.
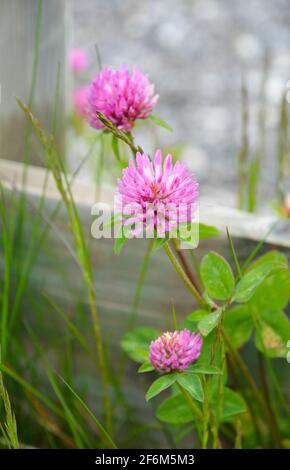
point(72, 328)
point(243, 154)
point(28, 129)
point(234, 254)
point(96, 421)
point(64, 188)
point(9, 429)
point(76, 428)
point(7, 271)
point(257, 248)
point(29, 388)
point(254, 173)
point(69, 416)
point(282, 147)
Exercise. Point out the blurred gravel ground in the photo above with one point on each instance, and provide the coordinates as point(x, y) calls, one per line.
point(196, 51)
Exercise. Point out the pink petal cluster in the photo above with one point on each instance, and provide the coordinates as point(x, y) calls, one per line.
point(80, 100)
point(122, 97)
point(175, 351)
point(78, 60)
point(156, 194)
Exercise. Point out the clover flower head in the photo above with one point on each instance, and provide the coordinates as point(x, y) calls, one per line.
point(123, 97)
point(157, 195)
point(175, 351)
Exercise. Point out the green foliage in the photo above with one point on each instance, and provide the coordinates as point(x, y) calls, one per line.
point(232, 404)
point(276, 285)
point(207, 231)
point(273, 333)
point(209, 322)
point(116, 150)
point(197, 315)
point(192, 384)
point(175, 410)
point(238, 323)
point(274, 292)
point(9, 427)
point(249, 283)
point(99, 425)
point(160, 122)
point(194, 231)
point(145, 367)
point(254, 172)
point(136, 343)
point(160, 384)
point(217, 276)
point(120, 241)
point(159, 242)
point(200, 368)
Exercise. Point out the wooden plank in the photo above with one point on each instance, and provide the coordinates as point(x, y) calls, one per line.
point(241, 224)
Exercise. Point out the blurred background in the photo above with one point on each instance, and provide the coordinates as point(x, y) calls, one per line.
point(197, 52)
point(221, 68)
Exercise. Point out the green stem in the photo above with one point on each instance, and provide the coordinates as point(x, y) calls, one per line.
point(238, 385)
point(248, 377)
point(244, 369)
point(271, 414)
point(139, 288)
point(195, 409)
point(267, 399)
point(187, 269)
point(206, 415)
point(243, 154)
point(136, 300)
point(196, 265)
point(119, 134)
point(220, 396)
point(182, 274)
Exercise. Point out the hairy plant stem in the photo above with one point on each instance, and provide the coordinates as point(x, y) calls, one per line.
point(186, 266)
point(182, 274)
point(119, 134)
